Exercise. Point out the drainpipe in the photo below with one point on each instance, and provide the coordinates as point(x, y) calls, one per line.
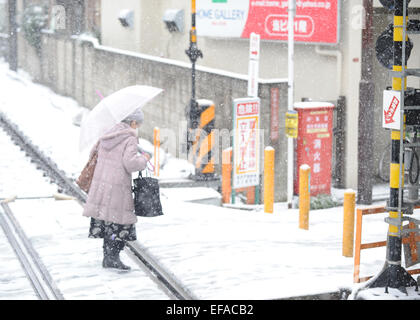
point(339, 56)
point(340, 129)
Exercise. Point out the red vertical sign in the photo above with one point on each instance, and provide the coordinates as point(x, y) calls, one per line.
point(314, 145)
point(274, 101)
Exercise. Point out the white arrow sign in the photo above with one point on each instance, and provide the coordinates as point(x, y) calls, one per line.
point(254, 56)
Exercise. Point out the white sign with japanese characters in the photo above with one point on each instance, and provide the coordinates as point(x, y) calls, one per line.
point(254, 56)
point(246, 144)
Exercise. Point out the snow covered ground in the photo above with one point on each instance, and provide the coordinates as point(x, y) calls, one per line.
point(218, 253)
point(58, 233)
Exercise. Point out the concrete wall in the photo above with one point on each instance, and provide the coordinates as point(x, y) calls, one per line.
point(113, 31)
point(79, 67)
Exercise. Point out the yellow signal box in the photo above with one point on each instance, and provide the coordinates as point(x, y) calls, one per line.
point(292, 124)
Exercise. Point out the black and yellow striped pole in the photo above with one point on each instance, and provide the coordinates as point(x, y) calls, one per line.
point(193, 53)
point(393, 275)
point(202, 155)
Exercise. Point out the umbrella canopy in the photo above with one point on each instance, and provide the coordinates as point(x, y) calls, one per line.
point(111, 110)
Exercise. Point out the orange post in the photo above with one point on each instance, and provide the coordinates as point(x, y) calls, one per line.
point(226, 175)
point(250, 195)
point(156, 156)
point(268, 180)
point(304, 196)
point(348, 222)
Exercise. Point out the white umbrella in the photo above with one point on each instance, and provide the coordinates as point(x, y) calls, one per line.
point(111, 110)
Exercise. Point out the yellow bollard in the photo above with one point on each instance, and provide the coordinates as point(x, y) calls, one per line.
point(348, 222)
point(268, 179)
point(226, 175)
point(156, 155)
point(304, 196)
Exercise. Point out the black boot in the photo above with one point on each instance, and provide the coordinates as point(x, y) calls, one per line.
point(112, 250)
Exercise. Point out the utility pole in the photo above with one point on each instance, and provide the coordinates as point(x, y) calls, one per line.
point(193, 53)
point(393, 275)
point(290, 94)
point(366, 111)
point(13, 53)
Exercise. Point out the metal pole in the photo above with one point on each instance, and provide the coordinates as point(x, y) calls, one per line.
point(13, 58)
point(366, 112)
point(290, 142)
point(193, 53)
point(339, 176)
point(393, 274)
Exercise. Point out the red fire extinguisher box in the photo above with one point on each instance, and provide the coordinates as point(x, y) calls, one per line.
point(314, 145)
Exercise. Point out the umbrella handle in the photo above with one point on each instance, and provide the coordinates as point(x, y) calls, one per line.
point(149, 163)
point(99, 94)
point(153, 167)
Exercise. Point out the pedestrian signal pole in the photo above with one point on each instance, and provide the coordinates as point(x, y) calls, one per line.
point(290, 93)
point(13, 53)
point(393, 275)
point(193, 53)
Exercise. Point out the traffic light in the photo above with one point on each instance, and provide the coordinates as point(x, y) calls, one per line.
point(390, 4)
point(385, 47)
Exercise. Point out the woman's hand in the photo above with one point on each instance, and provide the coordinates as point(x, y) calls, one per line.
point(146, 155)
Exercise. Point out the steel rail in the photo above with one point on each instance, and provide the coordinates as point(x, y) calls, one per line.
point(35, 271)
point(156, 272)
point(172, 285)
point(43, 162)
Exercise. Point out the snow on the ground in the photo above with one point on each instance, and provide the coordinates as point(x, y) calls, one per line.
point(58, 232)
point(13, 282)
point(218, 253)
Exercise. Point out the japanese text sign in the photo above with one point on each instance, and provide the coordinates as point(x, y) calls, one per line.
point(246, 143)
point(316, 21)
point(314, 144)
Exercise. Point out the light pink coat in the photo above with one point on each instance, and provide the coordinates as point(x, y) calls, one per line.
point(110, 196)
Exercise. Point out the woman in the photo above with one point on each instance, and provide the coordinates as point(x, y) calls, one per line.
point(110, 202)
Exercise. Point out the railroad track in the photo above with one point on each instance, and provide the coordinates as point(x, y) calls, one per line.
point(164, 279)
point(38, 275)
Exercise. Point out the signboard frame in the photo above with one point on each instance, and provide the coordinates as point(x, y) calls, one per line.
point(246, 178)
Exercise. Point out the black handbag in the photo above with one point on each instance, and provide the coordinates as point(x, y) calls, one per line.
point(146, 197)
